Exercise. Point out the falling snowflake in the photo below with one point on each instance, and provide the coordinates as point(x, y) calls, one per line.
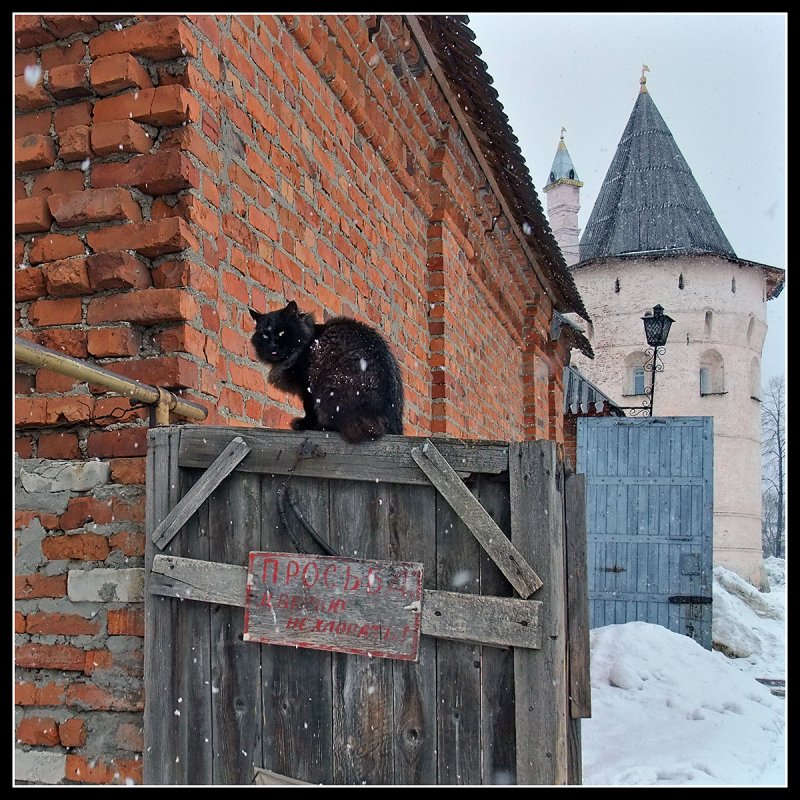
point(85, 164)
point(363, 364)
point(33, 74)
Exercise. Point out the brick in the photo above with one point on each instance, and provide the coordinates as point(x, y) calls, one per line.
point(29, 32)
point(19, 622)
point(119, 136)
point(150, 239)
point(50, 656)
point(117, 270)
point(70, 342)
point(30, 98)
point(61, 624)
point(34, 152)
point(58, 445)
point(130, 737)
point(81, 546)
point(74, 114)
point(59, 182)
point(29, 284)
point(172, 372)
point(32, 411)
point(74, 143)
point(72, 53)
point(68, 81)
point(131, 544)
point(164, 105)
point(87, 696)
point(160, 40)
point(164, 172)
point(29, 694)
point(109, 342)
point(55, 312)
point(182, 338)
point(81, 510)
point(72, 732)
point(55, 247)
point(64, 25)
point(110, 74)
point(39, 122)
point(126, 442)
point(145, 307)
point(103, 771)
point(128, 471)
point(68, 277)
point(38, 730)
point(125, 622)
point(31, 215)
point(32, 586)
point(49, 382)
point(93, 205)
point(113, 410)
point(22, 60)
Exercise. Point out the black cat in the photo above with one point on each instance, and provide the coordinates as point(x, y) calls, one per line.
point(343, 370)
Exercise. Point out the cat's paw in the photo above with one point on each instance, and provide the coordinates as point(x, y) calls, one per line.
point(299, 424)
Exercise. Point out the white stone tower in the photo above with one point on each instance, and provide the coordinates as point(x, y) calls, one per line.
point(652, 239)
point(563, 192)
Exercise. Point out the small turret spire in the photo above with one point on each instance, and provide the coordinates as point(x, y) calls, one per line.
point(643, 80)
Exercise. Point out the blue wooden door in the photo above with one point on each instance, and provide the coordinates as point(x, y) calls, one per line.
point(649, 511)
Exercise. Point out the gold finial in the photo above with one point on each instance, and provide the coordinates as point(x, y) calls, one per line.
point(643, 80)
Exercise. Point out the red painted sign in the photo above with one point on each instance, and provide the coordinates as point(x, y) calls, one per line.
point(348, 605)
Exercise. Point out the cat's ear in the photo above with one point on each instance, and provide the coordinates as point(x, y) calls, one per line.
point(255, 315)
point(291, 307)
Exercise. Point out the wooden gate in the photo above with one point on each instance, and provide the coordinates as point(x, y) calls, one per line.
point(649, 517)
point(501, 678)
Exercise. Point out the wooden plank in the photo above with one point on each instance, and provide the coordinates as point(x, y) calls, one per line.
point(580, 689)
point(161, 725)
point(223, 465)
point(408, 513)
point(458, 664)
point(498, 621)
point(235, 525)
point(510, 561)
point(541, 686)
point(327, 455)
point(298, 695)
point(363, 713)
point(266, 777)
point(498, 734)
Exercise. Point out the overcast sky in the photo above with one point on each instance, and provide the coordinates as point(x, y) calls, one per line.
point(718, 80)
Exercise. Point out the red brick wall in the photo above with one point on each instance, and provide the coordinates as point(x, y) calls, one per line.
point(173, 171)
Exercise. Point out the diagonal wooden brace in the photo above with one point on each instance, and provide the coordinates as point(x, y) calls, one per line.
point(499, 548)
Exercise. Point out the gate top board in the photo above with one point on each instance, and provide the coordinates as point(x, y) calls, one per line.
point(487, 700)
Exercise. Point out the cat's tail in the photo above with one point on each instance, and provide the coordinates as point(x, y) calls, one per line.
point(363, 429)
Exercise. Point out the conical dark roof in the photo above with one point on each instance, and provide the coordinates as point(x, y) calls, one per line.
point(650, 202)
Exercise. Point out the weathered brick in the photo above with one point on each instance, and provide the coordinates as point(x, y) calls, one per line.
point(155, 238)
point(31, 215)
point(87, 696)
point(33, 411)
point(126, 442)
point(162, 39)
point(120, 136)
point(30, 98)
point(127, 470)
point(29, 694)
point(72, 732)
point(59, 182)
point(107, 342)
point(49, 382)
point(50, 656)
point(93, 205)
point(55, 312)
point(125, 622)
point(182, 338)
point(72, 53)
point(34, 152)
point(70, 342)
point(29, 283)
point(23, 518)
point(81, 510)
point(64, 25)
point(36, 123)
point(164, 105)
point(74, 143)
point(81, 546)
point(131, 544)
point(61, 624)
point(145, 307)
point(74, 114)
point(117, 270)
point(172, 372)
point(58, 445)
point(102, 770)
point(130, 737)
point(38, 730)
point(19, 622)
point(164, 172)
point(29, 31)
point(113, 73)
point(113, 410)
point(69, 80)
point(23, 60)
point(68, 277)
point(54, 247)
point(36, 585)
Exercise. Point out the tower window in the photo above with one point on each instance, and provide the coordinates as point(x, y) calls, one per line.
point(733, 285)
point(680, 281)
point(712, 373)
point(572, 174)
point(616, 286)
point(707, 324)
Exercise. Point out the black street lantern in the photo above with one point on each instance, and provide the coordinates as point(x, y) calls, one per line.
point(656, 326)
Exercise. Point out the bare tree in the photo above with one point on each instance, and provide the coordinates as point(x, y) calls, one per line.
point(773, 433)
